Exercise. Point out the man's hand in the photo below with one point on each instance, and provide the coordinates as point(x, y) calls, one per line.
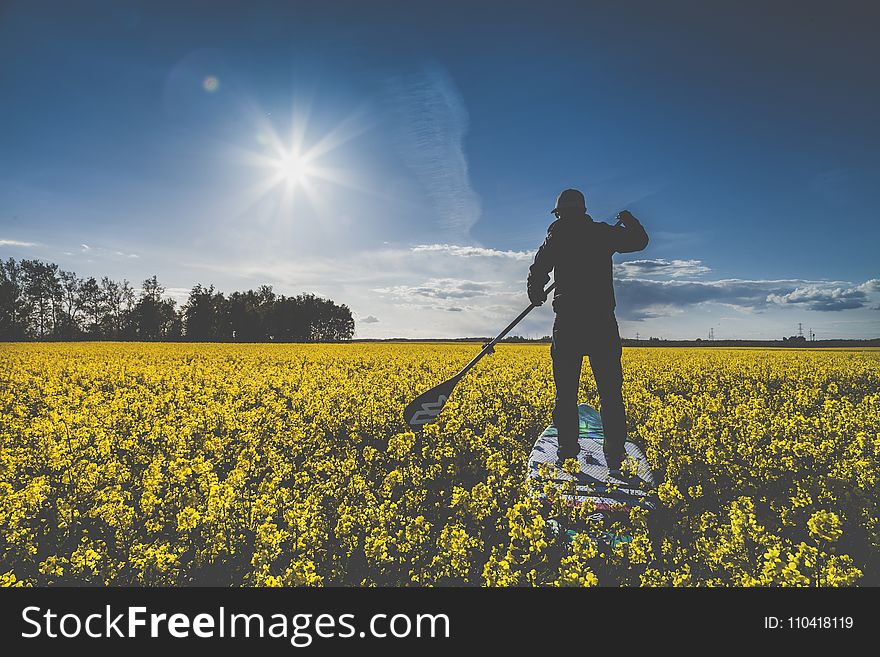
point(537, 296)
point(626, 217)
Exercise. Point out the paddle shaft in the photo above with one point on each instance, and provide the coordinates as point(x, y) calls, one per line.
point(487, 348)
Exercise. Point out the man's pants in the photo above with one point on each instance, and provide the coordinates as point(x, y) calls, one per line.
point(597, 337)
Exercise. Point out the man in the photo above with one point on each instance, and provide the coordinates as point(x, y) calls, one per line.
point(579, 251)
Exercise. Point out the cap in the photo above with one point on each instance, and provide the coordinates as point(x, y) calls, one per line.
point(570, 199)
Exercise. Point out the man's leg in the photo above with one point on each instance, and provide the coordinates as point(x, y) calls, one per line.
point(567, 362)
point(605, 361)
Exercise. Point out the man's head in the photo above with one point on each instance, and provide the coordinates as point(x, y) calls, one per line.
point(570, 203)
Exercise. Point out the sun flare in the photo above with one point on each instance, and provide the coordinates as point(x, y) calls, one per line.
point(295, 166)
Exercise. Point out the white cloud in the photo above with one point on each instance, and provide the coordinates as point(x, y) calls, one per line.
point(17, 243)
point(441, 288)
point(660, 267)
point(869, 286)
point(369, 319)
point(822, 297)
point(471, 251)
point(104, 252)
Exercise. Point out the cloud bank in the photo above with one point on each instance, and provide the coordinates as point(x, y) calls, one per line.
point(643, 298)
point(456, 289)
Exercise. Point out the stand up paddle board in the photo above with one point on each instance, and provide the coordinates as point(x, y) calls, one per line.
point(594, 482)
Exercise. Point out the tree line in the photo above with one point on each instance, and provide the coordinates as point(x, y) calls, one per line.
point(40, 301)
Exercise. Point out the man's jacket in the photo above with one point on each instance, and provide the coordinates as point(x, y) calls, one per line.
point(580, 250)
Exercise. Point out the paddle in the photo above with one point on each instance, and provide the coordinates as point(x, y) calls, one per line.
point(425, 408)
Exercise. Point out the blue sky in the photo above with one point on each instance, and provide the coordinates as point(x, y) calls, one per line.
point(402, 157)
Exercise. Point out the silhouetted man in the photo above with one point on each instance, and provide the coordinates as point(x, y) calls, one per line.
point(579, 251)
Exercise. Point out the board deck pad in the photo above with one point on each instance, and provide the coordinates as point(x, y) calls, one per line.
point(594, 481)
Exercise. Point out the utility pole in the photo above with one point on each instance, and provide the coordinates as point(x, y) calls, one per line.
point(637, 336)
point(711, 333)
point(800, 330)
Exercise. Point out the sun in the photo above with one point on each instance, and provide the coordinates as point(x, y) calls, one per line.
point(295, 168)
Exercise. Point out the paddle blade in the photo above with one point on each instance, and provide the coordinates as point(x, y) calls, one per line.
point(425, 408)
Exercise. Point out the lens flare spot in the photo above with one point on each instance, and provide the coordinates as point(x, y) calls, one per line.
point(211, 84)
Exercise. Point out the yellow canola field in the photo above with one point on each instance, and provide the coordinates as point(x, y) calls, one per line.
point(176, 464)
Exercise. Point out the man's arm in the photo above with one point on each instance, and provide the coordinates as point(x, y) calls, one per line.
point(629, 237)
point(539, 272)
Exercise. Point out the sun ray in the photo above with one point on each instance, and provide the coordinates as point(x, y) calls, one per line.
point(300, 118)
point(351, 127)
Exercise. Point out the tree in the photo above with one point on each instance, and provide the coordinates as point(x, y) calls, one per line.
point(308, 318)
point(147, 311)
point(336, 324)
point(245, 319)
point(41, 287)
point(172, 323)
point(127, 324)
point(93, 305)
point(155, 318)
point(114, 298)
point(205, 315)
point(14, 305)
point(71, 301)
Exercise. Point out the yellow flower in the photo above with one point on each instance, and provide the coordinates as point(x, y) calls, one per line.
point(188, 519)
point(825, 525)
